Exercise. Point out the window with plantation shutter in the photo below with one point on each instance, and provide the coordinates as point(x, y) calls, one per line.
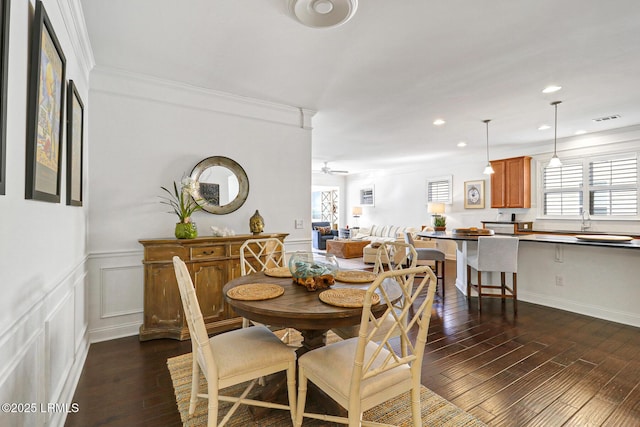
point(613, 187)
point(605, 187)
point(439, 189)
point(562, 188)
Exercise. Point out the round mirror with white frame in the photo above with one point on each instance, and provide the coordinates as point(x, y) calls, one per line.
point(223, 186)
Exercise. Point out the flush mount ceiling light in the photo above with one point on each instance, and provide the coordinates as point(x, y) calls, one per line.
point(555, 161)
point(323, 13)
point(439, 122)
point(488, 170)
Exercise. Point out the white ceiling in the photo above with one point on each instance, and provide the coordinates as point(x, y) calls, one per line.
point(379, 81)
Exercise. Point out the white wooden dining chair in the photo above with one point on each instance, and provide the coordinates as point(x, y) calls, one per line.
point(394, 256)
point(405, 256)
point(232, 357)
point(364, 373)
point(258, 255)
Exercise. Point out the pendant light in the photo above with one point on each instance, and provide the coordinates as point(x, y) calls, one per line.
point(488, 170)
point(555, 161)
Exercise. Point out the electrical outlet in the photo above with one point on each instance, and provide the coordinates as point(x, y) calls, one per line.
point(299, 223)
point(559, 281)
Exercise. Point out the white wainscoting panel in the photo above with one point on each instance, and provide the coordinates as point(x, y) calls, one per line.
point(43, 353)
point(59, 346)
point(116, 291)
point(118, 296)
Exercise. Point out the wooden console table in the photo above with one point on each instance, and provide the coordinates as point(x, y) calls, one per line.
point(212, 262)
point(346, 248)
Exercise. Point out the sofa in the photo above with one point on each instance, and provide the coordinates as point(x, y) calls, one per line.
point(379, 234)
point(321, 232)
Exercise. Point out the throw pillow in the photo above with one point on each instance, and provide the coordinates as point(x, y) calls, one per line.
point(324, 230)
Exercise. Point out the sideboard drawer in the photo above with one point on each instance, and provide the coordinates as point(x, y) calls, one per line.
point(164, 253)
point(208, 252)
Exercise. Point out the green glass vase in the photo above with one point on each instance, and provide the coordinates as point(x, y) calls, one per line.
point(186, 230)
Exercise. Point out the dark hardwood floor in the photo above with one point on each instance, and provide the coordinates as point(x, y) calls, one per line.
point(545, 367)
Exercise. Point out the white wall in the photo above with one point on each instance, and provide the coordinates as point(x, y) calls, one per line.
point(147, 133)
point(42, 245)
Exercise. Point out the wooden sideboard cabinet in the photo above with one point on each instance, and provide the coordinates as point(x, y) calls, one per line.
point(212, 262)
point(511, 183)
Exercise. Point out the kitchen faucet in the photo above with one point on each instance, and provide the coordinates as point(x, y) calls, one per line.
point(586, 220)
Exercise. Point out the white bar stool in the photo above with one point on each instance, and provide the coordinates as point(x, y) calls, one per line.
point(495, 254)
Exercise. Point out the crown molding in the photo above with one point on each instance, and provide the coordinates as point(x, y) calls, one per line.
point(135, 85)
point(73, 17)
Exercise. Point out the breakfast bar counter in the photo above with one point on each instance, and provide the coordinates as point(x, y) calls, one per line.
point(592, 277)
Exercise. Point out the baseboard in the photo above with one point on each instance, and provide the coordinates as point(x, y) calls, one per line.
point(114, 332)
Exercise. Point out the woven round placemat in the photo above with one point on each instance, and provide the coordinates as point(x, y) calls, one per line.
point(355, 276)
point(350, 298)
point(278, 272)
point(255, 291)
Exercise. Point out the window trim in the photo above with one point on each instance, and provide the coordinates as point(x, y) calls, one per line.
point(586, 187)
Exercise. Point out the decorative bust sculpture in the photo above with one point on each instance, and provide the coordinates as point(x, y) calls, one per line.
point(256, 223)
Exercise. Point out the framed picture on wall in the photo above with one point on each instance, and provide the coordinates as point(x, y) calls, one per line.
point(75, 127)
point(474, 194)
point(44, 111)
point(4, 65)
point(367, 196)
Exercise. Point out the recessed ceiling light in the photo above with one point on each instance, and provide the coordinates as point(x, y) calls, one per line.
point(438, 122)
point(544, 127)
point(580, 132)
point(551, 89)
point(462, 144)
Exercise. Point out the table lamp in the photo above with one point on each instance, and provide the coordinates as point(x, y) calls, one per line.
point(356, 211)
point(436, 209)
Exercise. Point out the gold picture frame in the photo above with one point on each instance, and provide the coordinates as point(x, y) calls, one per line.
point(474, 194)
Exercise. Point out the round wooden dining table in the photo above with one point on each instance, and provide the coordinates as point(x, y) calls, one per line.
point(301, 309)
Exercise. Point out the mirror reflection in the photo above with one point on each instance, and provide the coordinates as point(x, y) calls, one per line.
point(219, 185)
point(223, 185)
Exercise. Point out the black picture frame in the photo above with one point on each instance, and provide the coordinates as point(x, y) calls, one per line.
point(45, 111)
point(75, 132)
point(5, 8)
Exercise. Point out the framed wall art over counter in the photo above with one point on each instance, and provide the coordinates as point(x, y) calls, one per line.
point(474, 194)
point(75, 128)
point(4, 66)
point(45, 111)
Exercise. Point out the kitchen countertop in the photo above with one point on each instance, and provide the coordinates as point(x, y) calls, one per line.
point(541, 237)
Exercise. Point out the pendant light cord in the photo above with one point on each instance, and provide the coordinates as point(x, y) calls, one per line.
point(487, 123)
point(555, 127)
point(555, 130)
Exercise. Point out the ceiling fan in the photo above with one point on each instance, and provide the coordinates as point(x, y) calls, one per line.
point(327, 170)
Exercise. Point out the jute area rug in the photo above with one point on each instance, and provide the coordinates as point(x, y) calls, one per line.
point(436, 411)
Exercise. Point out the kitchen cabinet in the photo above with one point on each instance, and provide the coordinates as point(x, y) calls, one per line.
point(511, 183)
point(211, 261)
